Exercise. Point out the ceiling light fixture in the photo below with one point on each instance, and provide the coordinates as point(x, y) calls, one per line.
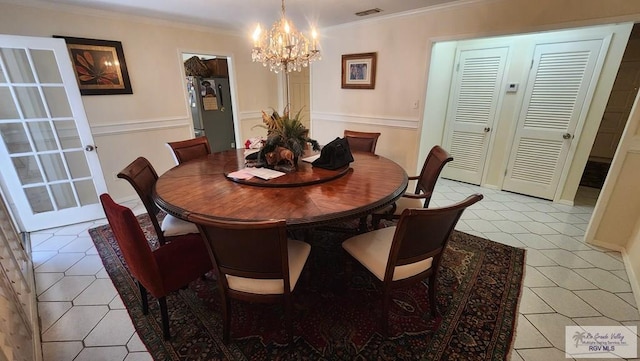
point(368, 12)
point(283, 48)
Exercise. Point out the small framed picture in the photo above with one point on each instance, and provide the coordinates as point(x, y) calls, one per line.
point(359, 71)
point(99, 66)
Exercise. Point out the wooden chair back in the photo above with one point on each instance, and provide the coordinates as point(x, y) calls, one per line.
point(251, 250)
point(362, 141)
point(257, 251)
point(433, 165)
point(142, 177)
point(186, 150)
point(423, 233)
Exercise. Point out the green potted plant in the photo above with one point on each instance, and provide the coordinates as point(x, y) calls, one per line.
point(288, 132)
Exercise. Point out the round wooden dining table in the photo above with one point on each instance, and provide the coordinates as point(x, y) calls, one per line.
point(305, 198)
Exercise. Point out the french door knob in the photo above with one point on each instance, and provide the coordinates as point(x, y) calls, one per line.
point(90, 148)
point(566, 136)
point(487, 129)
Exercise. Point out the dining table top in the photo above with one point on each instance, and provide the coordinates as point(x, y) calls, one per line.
point(307, 197)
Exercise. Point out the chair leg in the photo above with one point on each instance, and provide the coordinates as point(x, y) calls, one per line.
point(164, 316)
point(362, 226)
point(432, 295)
point(288, 323)
point(226, 320)
point(386, 300)
point(375, 221)
point(143, 297)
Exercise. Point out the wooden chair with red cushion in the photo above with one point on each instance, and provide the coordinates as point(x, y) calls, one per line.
point(255, 262)
point(362, 141)
point(426, 182)
point(185, 150)
point(167, 269)
point(408, 253)
point(142, 177)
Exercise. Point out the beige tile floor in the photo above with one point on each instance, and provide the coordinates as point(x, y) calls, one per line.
point(567, 282)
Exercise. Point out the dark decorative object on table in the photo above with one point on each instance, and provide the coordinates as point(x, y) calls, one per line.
point(335, 155)
point(285, 132)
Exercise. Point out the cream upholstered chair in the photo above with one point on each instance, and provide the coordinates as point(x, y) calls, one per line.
point(255, 262)
point(161, 271)
point(142, 177)
point(362, 141)
point(426, 182)
point(409, 252)
point(185, 150)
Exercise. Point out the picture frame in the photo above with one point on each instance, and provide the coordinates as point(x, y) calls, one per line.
point(359, 71)
point(99, 66)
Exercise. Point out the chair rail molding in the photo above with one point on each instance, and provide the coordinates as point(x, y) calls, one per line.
point(134, 126)
point(250, 114)
point(396, 122)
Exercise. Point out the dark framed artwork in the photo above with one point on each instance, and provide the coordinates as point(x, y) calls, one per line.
point(99, 66)
point(359, 71)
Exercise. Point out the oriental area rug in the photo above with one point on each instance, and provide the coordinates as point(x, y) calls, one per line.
point(479, 285)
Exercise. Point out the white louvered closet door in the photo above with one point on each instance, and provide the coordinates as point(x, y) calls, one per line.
point(557, 97)
point(476, 96)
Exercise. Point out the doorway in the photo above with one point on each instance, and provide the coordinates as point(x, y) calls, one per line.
point(51, 172)
point(210, 99)
point(299, 94)
point(616, 114)
point(521, 61)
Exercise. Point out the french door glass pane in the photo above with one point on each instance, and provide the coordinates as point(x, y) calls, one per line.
point(46, 66)
point(15, 138)
point(42, 136)
point(63, 195)
point(67, 134)
point(27, 169)
point(30, 102)
point(3, 78)
point(56, 98)
point(38, 198)
point(77, 164)
point(86, 192)
point(8, 108)
point(18, 65)
point(53, 167)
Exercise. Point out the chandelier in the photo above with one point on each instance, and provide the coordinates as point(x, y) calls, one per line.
point(283, 48)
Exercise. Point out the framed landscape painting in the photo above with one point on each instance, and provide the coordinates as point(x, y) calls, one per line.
point(359, 71)
point(99, 66)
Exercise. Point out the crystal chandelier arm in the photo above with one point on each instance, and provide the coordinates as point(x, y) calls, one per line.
point(283, 48)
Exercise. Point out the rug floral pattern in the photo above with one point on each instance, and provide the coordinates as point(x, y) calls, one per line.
point(478, 289)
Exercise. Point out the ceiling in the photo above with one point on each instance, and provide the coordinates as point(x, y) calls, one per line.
point(243, 15)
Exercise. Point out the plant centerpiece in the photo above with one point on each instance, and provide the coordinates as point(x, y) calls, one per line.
point(287, 138)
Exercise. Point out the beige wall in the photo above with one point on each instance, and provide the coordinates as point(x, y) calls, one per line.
point(403, 44)
point(615, 222)
point(128, 126)
point(521, 49)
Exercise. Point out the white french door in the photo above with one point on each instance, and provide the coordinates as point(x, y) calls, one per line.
point(49, 165)
point(476, 96)
point(561, 84)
